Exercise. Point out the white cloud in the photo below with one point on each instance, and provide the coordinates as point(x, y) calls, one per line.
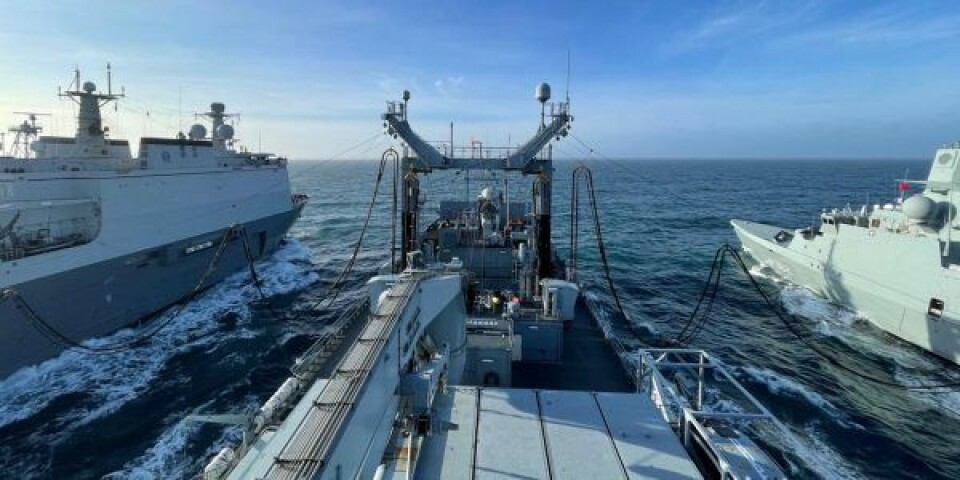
point(450, 86)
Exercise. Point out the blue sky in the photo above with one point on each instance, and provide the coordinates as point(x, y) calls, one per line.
point(649, 79)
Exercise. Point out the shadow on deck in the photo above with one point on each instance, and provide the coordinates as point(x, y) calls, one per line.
point(589, 363)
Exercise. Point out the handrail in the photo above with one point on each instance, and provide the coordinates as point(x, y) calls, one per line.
point(313, 356)
point(689, 414)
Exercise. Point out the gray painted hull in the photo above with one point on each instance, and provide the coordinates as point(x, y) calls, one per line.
point(98, 299)
point(871, 274)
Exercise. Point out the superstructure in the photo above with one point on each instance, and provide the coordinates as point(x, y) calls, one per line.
point(93, 239)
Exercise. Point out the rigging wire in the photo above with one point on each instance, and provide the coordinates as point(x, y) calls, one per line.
point(60, 338)
point(585, 148)
point(583, 173)
point(356, 146)
point(695, 324)
point(393, 211)
point(829, 358)
point(334, 291)
point(574, 226)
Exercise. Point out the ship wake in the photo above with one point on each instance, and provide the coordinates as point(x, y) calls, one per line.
point(54, 399)
point(166, 458)
point(912, 367)
point(781, 385)
point(832, 320)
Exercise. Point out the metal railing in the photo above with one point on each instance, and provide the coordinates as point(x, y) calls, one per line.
point(682, 400)
point(476, 150)
point(306, 366)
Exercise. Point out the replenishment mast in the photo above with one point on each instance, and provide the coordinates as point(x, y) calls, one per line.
point(474, 357)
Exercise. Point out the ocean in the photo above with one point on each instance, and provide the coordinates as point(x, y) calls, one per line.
point(123, 415)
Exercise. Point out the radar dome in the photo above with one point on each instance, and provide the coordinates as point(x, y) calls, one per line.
point(217, 107)
point(89, 87)
point(225, 132)
point(543, 92)
point(198, 132)
point(919, 207)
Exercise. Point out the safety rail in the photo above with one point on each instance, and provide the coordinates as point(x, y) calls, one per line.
point(474, 150)
point(306, 366)
point(654, 361)
point(682, 402)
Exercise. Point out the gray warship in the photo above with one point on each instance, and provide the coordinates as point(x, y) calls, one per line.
point(475, 356)
point(897, 264)
point(93, 239)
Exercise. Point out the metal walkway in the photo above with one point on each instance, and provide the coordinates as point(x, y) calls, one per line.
point(304, 453)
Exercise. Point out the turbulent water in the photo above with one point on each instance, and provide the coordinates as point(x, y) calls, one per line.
point(122, 415)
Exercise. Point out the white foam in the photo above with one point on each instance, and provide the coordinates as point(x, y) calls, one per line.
point(782, 385)
point(166, 458)
point(815, 453)
point(767, 273)
point(723, 405)
point(947, 400)
point(114, 379)
point(779, 384)
point(812, 451)
point(838, 321)
point(163, 460)
point(803, 303)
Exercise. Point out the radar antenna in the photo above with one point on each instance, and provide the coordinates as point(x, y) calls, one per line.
point(24, 134)
point(89, 122)
point(221, 133)
point(87, 89)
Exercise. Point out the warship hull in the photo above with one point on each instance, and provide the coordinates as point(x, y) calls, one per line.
point(894, 283)
point(99, 298)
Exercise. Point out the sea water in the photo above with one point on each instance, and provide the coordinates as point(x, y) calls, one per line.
point(122, 415)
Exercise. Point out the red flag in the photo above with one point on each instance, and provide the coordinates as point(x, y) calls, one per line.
point(904, 186)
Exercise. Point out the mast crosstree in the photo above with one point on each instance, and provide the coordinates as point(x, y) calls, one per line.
point(420, 157)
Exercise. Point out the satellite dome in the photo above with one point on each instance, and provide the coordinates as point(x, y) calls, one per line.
point(543, 92)
point(89, 87)
point(919, 208)
point(225, 132)
point(217, 107)
point(198, 132)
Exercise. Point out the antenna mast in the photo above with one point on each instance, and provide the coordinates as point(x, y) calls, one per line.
point(91, 136)
point(24, 134)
